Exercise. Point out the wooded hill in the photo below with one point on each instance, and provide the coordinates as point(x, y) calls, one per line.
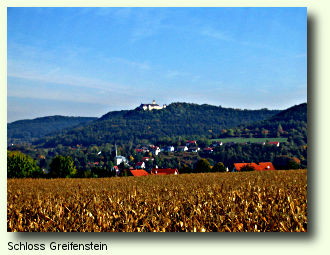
point(178, 120)
point(291, 123)
point(29, 130)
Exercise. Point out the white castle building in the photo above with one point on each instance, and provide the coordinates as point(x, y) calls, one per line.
point(152, 106)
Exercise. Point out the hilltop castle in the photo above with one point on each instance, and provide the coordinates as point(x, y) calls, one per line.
point(152, 106)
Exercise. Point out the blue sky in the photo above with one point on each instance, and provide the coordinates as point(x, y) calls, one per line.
point(89, 61)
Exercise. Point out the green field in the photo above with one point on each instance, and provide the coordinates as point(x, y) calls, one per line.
point(250, 140)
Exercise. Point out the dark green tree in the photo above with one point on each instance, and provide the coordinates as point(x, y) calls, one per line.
point(247, 168)
point(293, 163)
point(219, 167)
point(202, 166)
point(62, 167)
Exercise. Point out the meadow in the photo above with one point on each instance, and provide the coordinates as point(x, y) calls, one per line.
point(250, 140)
point(207, 202)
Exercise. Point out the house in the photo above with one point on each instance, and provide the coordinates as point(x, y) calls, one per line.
point(262, 166)
point(238, 166)
point(152, 106)
point(277, 144)
point(191, 143)
point(208, 150)
point(147, 159)
point(169, 148)
point(164, 171)
point(262, 143)
point(139, 172)
point(194, 149)
point(140, 165)
point(154, 150)
point(117, 170)
point(216, 144)
point(182, 148)
point(91, 164)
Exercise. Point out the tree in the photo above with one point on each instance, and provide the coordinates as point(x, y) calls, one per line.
point(286, 162)
point(20, 165)
point(202, 165)
point(219, 167)
point(62, 167)
point(247, 168)
point(293, 163)
point(185, 169)
point(230, 132)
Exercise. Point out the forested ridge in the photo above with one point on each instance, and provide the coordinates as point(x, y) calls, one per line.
point(178, 120)
point(291, 123)
point(31, 129)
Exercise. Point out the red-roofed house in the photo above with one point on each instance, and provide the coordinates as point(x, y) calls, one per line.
point(238, 166)
point(164, 171)
point(265, 166)
point(147, 158)
point(274, 143)
point(116, 169)
point(139, 172)
point(262, 166)
point(208, 150)
point(191, 143)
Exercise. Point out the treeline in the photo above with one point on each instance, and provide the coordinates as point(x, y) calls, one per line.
point(23, 166)
point(138, 126)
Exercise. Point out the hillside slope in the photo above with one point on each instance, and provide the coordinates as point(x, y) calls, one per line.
point(29, 130)
point(291, 123)
point(177, 120)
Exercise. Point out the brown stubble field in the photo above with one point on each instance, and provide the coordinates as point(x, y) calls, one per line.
point(234, 202)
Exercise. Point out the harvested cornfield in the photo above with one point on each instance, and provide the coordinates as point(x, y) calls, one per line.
point(234, 202)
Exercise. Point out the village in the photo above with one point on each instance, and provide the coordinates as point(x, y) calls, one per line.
point(140, 169)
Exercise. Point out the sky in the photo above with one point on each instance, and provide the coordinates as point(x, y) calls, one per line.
point(89, 61)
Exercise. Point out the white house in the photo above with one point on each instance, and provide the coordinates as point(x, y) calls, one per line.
point(194, 149)
point(182, 148)
point(169, 148)
point(155, 150)
point(216, 144)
